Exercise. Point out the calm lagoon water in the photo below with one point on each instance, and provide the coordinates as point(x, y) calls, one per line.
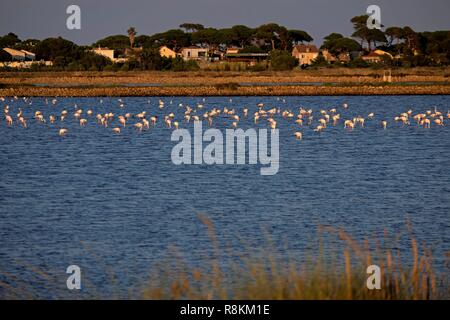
point(112, 204)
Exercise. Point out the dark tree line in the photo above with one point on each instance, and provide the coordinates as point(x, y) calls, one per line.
point(266, 37)
point(409, 47)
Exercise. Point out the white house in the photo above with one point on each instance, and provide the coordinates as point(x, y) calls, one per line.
point(194, 53)
point(108, 53)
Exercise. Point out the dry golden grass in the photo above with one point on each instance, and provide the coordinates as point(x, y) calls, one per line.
point(337, 81)
point(216, 77)
point(264, 274)
point(335, 268)
point(227, 90)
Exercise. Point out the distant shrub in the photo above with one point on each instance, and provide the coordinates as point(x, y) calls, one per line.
point(74, 66)
point(282, 60)
point(320, 61)
point(179, 64)
point(111, 67)
point(227, 86)
point(258, 67)
point(125, 67)
point(192, 66)
point(358, 63)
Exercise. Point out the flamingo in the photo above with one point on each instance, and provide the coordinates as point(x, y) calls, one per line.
point(349, 124)
point(9, 120)
point(138, 126)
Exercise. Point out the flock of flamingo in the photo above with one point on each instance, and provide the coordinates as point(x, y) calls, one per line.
point(142, 121)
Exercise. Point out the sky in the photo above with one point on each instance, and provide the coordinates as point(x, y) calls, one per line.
point(41, 19)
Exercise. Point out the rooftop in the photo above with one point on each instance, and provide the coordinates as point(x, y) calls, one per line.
point(305, 48)
point(14, 51)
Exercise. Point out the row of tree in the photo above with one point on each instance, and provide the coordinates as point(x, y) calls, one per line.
point(411, 48)
point(67, 55)
point(267, 37)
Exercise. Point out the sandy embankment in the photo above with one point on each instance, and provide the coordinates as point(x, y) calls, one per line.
point(324, 82)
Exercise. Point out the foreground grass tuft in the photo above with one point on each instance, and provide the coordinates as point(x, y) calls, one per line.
point(266, 274)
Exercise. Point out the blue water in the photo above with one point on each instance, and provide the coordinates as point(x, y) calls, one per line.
point(112, 204)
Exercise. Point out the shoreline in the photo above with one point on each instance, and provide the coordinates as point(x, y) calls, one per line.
point(327, 82)
point(217, 91)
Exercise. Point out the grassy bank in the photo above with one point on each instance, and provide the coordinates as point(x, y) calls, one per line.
point(226, 90)
point(334, 81)
point(214, 77)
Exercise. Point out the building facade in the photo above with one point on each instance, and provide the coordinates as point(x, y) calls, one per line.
point(194, 53)
point(106, 52)
point(305, 53)
point(166, 52)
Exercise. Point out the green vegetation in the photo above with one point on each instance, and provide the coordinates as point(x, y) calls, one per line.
point(9, 40)
point(365, 34)
point(116, 42)
point(4, 56)
point(66, 55)
point(336, 44)
point(281, 60)
point(131, 35)
point(405, 47)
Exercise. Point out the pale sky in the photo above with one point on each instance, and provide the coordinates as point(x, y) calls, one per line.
point(99, 18)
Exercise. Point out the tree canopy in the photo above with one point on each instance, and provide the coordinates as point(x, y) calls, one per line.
point(65, 53)
point(282, 60)
point(299, 36)
point(362, 32)
point(410, 48)
point(191, 27)
point(9, 40)
point(174, 39)
point(336, 43)
point(131, 35)
point(113, 42)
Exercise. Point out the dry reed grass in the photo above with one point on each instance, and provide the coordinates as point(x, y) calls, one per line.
point(336, 271)
point(336, 81)
point(265, 274)
point(338, 75)
point(227, 90)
